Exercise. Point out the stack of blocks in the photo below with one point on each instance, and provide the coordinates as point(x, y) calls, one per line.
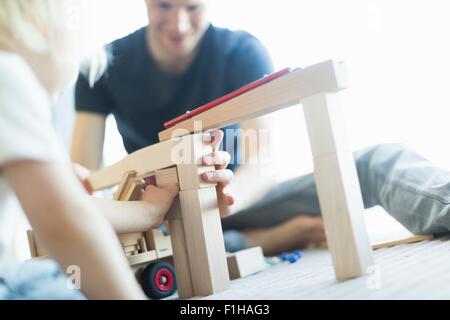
point(194, 219)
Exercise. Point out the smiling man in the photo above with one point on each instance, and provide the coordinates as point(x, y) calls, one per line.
point(178, 62)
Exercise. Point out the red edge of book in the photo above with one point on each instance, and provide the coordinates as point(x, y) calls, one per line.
point(226, 98)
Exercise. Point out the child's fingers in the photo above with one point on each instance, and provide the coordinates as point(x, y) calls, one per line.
point(173, 189)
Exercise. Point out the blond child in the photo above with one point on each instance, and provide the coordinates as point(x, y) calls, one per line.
point(39, 57)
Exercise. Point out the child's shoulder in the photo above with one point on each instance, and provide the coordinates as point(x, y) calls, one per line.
point(19, 85)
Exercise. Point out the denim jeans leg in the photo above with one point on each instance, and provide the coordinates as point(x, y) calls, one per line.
point(414, 191)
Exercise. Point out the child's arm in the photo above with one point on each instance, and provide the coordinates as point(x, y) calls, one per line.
point(141, 216)
point(73, 231)
point(138, 216)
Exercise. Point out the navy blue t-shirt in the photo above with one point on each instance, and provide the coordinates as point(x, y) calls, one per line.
point(142, 97)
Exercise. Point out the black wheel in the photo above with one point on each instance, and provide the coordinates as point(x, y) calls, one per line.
point(158, 280)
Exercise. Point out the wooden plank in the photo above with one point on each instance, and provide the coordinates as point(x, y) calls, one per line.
point(246, 262)
point(32, 244)
point(204, 240)
point(134, 192)
point(143, 244)
point(124, 184)
point(130, 239)
point(144, 161)
point(338, 189)
point(328, 76)
point(142, 258)
point(180, 259)
point(408, 240)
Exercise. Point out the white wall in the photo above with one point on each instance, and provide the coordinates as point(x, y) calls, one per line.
point(396, 51)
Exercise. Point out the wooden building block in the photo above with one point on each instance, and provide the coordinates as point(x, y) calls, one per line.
point(204, 240)
point(337, 187)
point(342, 209)
point(142, 258)
point(134, 192)
point(408, 240)
point(246, 262)
point(157, 241)
point(144, 161)
point(130, 239)
point(328, 76)
point(177, 238)
point(143, 245)
point(181, 259)
point(325, 122)
point(166, 177)
point(189, 167)
point(124, 185)
point(32, 244)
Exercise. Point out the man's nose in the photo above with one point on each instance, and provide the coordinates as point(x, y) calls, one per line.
point(181, 21)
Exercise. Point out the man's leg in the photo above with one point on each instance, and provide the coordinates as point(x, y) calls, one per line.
point(410, 188)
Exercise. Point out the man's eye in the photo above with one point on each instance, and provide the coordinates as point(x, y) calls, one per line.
point(165, 6)
point(192, 7)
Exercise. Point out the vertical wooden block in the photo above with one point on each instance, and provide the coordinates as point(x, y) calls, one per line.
point(32, 244)
point(191, 151)
point(181, 259)
point(204, 239)
point(338, 187)
point(177, 237)
point(325, 122)
point(124, 185)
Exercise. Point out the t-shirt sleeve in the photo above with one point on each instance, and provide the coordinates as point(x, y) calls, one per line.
point(26, 131)
point(92, 98)
point(249, 62)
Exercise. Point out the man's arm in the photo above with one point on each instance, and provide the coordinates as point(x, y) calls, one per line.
point(88, 139)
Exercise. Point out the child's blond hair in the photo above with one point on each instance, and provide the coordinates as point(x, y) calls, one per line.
point(49, 26)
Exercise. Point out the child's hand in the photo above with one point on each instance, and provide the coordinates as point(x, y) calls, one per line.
point(161, 199)
point(222, 176)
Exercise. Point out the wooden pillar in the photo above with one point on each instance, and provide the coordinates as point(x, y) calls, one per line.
point(337, 186)
point(177, 236)
point(201, 220)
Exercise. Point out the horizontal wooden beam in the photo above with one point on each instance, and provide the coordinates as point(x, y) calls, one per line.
point(328, 76)
point(144, 162)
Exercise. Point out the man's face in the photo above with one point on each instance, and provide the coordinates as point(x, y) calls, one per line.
point(177, 25)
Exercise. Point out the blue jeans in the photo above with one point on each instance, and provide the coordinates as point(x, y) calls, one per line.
point(411, 189)
point(35, 280)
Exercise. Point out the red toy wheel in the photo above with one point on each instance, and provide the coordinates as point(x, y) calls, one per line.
point(158, 280)
point(164, 279)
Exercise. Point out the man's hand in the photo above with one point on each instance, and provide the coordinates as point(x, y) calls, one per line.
point(222, 176)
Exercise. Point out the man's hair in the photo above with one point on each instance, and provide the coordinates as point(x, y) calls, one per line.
point(44, 25)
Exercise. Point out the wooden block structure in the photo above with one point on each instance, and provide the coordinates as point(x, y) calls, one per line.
point(195, 227)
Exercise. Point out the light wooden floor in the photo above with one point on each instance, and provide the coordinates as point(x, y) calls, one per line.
point(413, 271)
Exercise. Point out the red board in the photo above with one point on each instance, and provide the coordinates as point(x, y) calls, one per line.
point(226, 98)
